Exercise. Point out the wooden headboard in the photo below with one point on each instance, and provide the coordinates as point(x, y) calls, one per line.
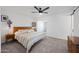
point(20, 28)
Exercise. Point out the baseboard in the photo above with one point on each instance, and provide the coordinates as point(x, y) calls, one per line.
point(55, 38)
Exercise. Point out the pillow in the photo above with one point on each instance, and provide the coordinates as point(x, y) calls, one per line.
point(25, 31)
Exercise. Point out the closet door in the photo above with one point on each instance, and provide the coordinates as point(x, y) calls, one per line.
point(41, 26)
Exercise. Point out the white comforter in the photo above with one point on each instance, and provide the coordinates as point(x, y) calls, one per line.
point(27, 39)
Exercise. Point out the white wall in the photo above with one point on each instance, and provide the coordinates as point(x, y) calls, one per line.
point(59, 26)
point(76, 23)
point(4, 31)
point(17, 19)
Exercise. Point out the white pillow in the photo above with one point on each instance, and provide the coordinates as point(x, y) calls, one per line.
point(25, 31)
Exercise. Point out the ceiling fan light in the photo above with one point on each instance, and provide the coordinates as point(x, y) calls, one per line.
point(40, 13)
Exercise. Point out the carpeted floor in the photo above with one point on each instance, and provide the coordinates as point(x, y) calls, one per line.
point(12, 47)
point(47, 45)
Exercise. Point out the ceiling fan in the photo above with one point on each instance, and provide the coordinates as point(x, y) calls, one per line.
point(40, 10)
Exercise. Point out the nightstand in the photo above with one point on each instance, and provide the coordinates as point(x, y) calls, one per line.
point(73, 44)
point(9, 37)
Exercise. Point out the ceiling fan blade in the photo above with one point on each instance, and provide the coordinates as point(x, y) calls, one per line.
point(45, 12)
point(45, 9)
point(34, 12)
point(36, 8)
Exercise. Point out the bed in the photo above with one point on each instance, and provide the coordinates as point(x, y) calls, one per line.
point(27, 36)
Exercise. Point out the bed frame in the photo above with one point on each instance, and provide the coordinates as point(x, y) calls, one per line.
point(20, 28)
point(31, 43)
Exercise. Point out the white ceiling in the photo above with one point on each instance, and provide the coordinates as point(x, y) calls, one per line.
point(27, 10)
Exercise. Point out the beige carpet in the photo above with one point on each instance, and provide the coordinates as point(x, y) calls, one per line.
point(50, 45)
point(47, 45)
point(12, 47)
